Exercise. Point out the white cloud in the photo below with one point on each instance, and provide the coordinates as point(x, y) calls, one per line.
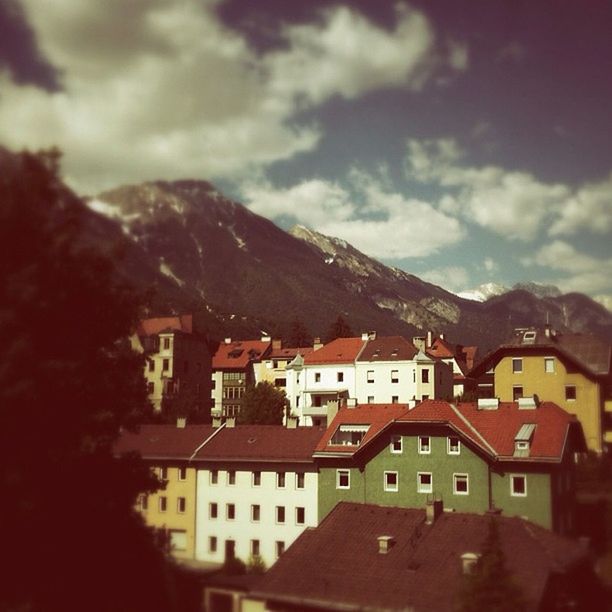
point(366, 214)
point(490, 265)
point(158, 89)
point(451, 278)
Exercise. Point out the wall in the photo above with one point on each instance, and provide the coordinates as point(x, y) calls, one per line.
point(382, 389)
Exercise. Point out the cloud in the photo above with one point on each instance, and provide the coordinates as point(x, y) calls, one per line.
point(451, 278)
point(490, 265)
point(158, 89)
point(364, 212)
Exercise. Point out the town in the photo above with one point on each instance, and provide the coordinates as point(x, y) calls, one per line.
point(386, 452)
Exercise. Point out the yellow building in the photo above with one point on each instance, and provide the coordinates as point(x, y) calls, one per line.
point(571, 370)
point(167, 449)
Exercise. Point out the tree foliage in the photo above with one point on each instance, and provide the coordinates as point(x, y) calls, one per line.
point(263, 404)
point(490, 586)
point(68, 382)
point(339, 329)
point(299, 336)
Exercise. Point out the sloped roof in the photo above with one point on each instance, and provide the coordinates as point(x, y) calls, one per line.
point(163, 441)
point(151, 327)
point(388, 348)
point(239, 353)
point(340, 350)
point(463, 355)
point(422, 570)
point(289, 352)
point(261, 442)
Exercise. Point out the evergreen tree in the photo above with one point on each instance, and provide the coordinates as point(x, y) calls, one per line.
point(299, 336)
point(263, 404)
point(490, 586)
point(339, 329)
point(68, 382)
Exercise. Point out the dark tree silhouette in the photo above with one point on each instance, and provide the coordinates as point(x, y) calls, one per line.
point(299, 336)
point(339, 329)
point(263, 404)
point(68, 382)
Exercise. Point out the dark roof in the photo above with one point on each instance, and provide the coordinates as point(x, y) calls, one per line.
point(388, 348)
point(262, 443)
point(163, 441)
point(338, 563)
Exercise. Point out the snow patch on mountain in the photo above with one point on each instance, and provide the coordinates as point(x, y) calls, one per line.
point(166, 270)
point(483, 292)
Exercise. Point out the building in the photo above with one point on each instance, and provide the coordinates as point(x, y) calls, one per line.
point(178, 364)
point(572, 370)
point(167, 449)
point(515, 458)
point(234, 369)
point(273, 368)
point(257, 490)
point(371, 557)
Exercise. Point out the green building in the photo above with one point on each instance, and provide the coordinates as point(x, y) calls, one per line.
point(515, 458)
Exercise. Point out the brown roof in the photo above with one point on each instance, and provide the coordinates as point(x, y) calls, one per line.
point(151, 327)
point(263, 443)
point(163, 441)
point(338, 564)
point(239, 353)
point(289, 352)
point(340, 350)
point(388, 348)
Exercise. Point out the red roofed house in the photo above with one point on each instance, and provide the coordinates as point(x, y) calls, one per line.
point(273, 368)
point(514, 457)
point(177, 368)
point(233, 369)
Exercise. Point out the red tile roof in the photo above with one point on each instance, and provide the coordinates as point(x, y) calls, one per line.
point(262, 442)
point(289, 352)
point(163, 441)
point(239, 353)
point(421, 571)
point(388, 348)
point(151, 327)
point(340, 350)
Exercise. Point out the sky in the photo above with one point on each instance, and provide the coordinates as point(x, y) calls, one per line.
point(463, 141)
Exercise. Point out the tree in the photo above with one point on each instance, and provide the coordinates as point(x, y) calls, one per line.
point(68, 383)
point(339, 329)
point(263, 404)
point(299, 336)
point(490, 585)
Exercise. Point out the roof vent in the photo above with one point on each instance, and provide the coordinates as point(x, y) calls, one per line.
point(292, 422)
point(468, 562)
point(385, 544)
point(230, 422)
point(181, 422)
point(488, 403)
point(433, 509)
point(228, 341)
point(527, 403)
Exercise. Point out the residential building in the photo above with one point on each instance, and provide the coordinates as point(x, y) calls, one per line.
point(572, 370)
point(372, 557)
point(167, 449)
point(513, 457)
point(257, 490)
point(178, 364)
point(233, 370)
point(273, 368)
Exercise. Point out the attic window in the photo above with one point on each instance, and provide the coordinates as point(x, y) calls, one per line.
point(235, 353)
point(522, 440)
point(529, 337)
point(349, 435)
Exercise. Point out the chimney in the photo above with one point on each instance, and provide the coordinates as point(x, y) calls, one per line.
point(433, 509)
point(385, 544)
point(429, 338)
point(365, 336)
point(317, 344)
point(468, 562)
point(228, 341)
point(265, 338)
point(230, 422)
point(216, 422)
point(528, 403)
point(332, 411)
point(277, 344)
point(419, 343)
point(351, 402)
point(292, 422)
point(488, 403)
point(442, 336)
point(412, 403)
point(181, 422)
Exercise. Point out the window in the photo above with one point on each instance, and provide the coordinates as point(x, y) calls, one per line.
point(518, 485)
point(299, 480)
point(425, 375)
point(349, 435)
point(280, 548)
point(231, 477)
point(424, 445)
point(343, 479)
point(151, 364)
point(166, 365)
point(453, 445)
point(394, 376)
point(391, 481)
point(425, 397)
point(255, 548)
point(340, 376)
point(517, 365)
point(150, 388)
point(182, 473)
point(280, 480)
point(256, 479)
point(424, 482)
point(166, 343)
point(370, 399)
point(163, 473)
point(255, 512)
point(163, 503)
point(517, 392)
point(280, 514)
point(461, 484)
point(396, 444)
point(370, 376)
point(394, 399)
point(300, 515)
point(212, 510)
point(570, 392)
point(317, 377)
point(212, 544)
point(178, 539)
point(549, 365)
point(181, 505)
point(230, 512)
point(214, 477)
point(143, 502)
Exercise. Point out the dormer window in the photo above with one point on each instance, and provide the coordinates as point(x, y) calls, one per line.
point(529, 337)
point(349, 435)
point(522, 440)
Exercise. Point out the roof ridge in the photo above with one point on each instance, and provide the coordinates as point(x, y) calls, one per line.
point(472, 427)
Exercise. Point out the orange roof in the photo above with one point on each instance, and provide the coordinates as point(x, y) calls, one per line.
point(289, 352)
point(340, 350)
point(151, 327)
point(238, 354)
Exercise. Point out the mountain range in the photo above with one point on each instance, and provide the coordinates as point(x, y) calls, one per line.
point(241, 275)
